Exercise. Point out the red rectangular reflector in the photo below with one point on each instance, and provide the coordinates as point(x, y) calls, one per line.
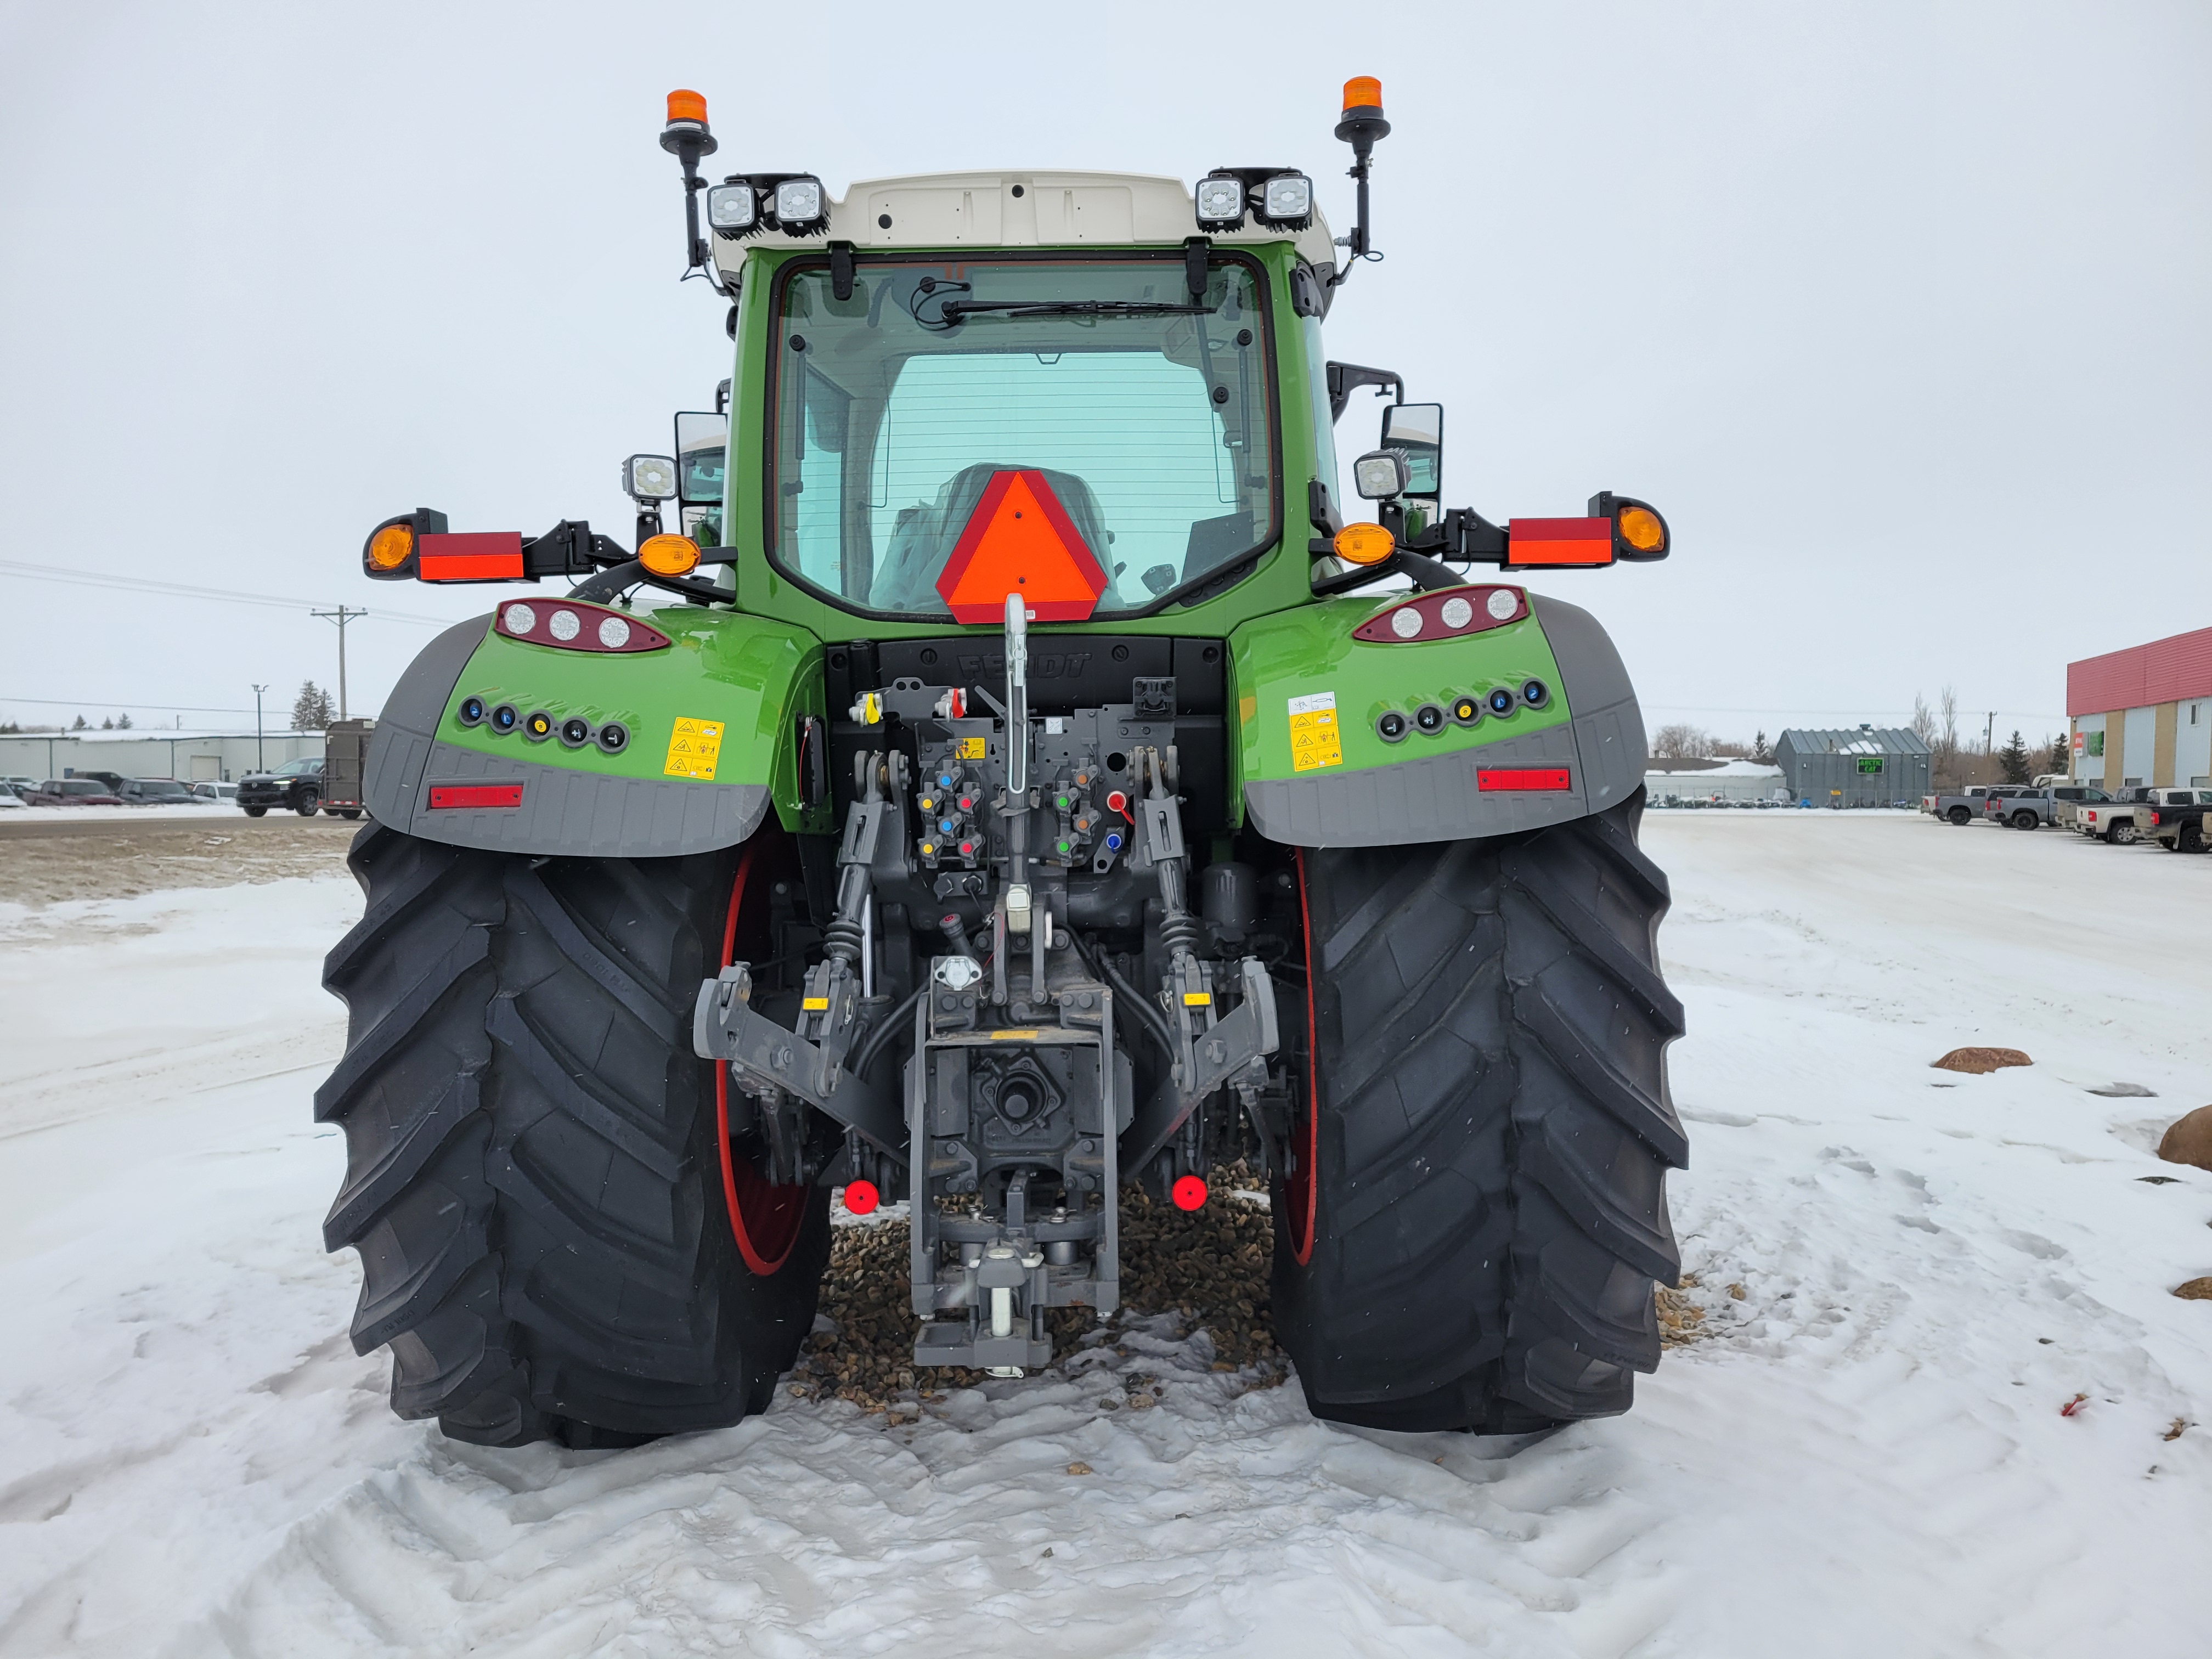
point(443, 796)
point(1523, 777)
point(1558, 541)
point(483, 555)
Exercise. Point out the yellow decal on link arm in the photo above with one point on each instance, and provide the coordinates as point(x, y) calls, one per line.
point(693, 749)
point(1313, 737)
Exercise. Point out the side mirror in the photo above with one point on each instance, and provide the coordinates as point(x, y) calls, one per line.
point(703, 453)
point(1416, 433)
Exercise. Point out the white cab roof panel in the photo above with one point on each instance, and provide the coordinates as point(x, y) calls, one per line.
point(1018, 211)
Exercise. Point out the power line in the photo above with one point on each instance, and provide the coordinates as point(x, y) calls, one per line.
point(180, 590)
point(129, 702)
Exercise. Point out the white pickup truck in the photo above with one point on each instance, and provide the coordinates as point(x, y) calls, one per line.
point(2126, 816)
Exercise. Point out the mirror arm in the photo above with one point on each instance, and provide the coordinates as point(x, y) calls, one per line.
point(1345, 379)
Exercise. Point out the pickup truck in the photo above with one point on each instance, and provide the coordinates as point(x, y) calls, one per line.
point(2124, 817)
point(1955, 809)
point(2027, 807)
point(2178, 825)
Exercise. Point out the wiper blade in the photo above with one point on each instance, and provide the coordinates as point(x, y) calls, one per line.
point(953, 310)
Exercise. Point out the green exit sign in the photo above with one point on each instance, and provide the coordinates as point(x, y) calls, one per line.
point(1870, 762)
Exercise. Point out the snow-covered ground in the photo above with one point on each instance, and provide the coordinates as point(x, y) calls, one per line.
point(190, 809)
point(1867, 1456)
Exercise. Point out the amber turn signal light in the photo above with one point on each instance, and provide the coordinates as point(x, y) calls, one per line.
point(668, 556)
point(392, 546)
point(1639, 532)
point(1364, 543)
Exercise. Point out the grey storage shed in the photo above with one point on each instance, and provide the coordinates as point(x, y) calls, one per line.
point(1869, 767)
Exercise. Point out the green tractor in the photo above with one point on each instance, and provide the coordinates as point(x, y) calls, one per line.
point(1012, 781)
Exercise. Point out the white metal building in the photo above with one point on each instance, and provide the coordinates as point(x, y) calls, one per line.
point(1708, 779)
point(150, 752)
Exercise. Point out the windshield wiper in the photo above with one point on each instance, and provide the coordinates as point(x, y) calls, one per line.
point(953, 310)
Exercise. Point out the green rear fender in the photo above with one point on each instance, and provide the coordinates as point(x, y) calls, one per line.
point(714, 725)
point(1315, 768)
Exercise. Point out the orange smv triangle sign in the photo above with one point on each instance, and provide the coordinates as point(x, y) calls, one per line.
point(1020, 539)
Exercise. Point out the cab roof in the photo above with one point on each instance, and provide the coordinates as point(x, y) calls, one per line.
point(1020, 209)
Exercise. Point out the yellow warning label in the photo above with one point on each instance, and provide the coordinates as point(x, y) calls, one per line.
point(1196, 1000)
point(814, 1005)
point(969, 749)
point(1315, 740)
point(693, 749)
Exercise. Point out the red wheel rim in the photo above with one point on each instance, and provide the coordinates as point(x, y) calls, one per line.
point(763, 1217)
point(1299, 1189)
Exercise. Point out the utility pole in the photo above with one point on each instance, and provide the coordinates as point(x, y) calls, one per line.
point(341, 616)
point(1989, 732)
point(260, 755)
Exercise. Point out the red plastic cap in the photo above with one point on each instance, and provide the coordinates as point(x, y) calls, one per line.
point(1189, 1192)
point(861, 1197)
point(687, 106)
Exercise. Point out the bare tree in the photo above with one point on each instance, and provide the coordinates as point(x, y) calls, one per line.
point(1922, 723)
point(1681, 741)
point(1945, 743)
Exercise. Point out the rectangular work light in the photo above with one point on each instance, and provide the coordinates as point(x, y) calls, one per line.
point(1286, 202)
point(732, 208)
point(1220, 201)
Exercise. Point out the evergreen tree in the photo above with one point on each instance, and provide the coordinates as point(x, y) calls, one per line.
point(312, 710)
point(122, 722)
point(80, 724)
point(2062, 754)
point(107, 725)
point(1760, 749)
point(2013, 757)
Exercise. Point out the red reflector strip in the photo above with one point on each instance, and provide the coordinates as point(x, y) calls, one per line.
point(1558, 541)
point(482, 556)
point(445, 796)
point(1523, 777)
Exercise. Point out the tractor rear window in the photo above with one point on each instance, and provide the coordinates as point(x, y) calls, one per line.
point(1147, 412)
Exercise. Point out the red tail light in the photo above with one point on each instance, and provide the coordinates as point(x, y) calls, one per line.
point(1444, 615)
point(570, 626)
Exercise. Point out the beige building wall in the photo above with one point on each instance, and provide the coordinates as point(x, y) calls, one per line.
point(2161, 766)
point(2116, 739)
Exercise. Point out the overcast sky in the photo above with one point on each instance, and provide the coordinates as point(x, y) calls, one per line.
point(1901, 313)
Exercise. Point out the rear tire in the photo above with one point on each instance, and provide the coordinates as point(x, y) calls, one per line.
point(1490, 1135)
point(257, 811)
point(1961, 817)
point(2023, 820)
point(534, 1178)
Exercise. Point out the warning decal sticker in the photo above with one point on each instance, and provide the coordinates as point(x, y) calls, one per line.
point(1313, 737)
point(693, 749)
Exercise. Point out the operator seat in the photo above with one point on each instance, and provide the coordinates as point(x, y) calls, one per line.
point(926, 532)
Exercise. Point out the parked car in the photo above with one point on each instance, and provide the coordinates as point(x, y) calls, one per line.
point(2066, 813)
point(2124, 818)
point(113, 780)
point(2178, 825)
point(297, 785)
point(154, 792)
point(11, 799)
point(1961, 809)
point(74, 792)
point(21, 786)
point(2026, 806)
point(213, 789)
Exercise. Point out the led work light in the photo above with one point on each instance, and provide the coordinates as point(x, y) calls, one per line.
point(1286, 202)
point(1380, 475)
point(650, 477)
point(732, 208)
point(1220, 201)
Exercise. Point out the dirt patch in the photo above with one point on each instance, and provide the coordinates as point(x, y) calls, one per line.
point(1208, 1267)
point(125, 860)
point(1980, 1061)
point(2196, 1290)
point(1681, 1321)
